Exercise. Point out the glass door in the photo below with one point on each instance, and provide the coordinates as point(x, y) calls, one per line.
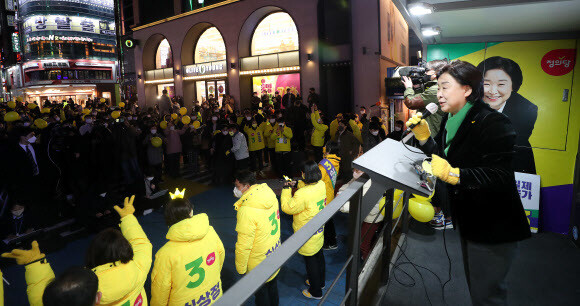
point(211, 90)
point(200, 91)
point(221, 91)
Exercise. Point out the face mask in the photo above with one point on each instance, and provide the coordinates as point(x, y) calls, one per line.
point(18, 213)
point(232, 133)
point(148, 116)
point(320, 121)
point(225, 132)
point(26, 123)
point(153, 131)
point(281, 124)
point(279, 116)
point(362, 113)
point(94, 113)
point(150, 178)
point(248, 118)
point(375, 133)
point(237, 193)
point(213, 118)
point(89, 121)
point(57, 118)
point(398, 128)
point(32, 139)
point(254, 125)
point(106, 125)
point(272, 121)
point(172, 128)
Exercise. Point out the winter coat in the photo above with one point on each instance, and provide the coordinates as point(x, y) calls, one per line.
point(334, 161)
point(282, 140)
point(303, 206)
point(38, 275)
point(173, 140)
point(154, 154)
point(122, 283)
point(317, 138)
point(258, 227)
point(240, 146)
point(187, 268)
point(256, 137)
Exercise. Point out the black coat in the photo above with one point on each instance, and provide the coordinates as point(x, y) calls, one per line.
point(485, 204)
point(523, 115)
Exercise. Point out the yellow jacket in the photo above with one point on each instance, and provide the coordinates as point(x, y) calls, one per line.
point(258, 227)
point(268, 129)
point(123, 283)
point(335, 162)
point(282, 140)
point(304, 205)
point(38, 275)
point(256, 137)
point(333, 129)
point(355, 130)
point(317, 138)
point(187, 268)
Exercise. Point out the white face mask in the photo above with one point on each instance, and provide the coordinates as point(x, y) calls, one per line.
point(89, 121)
point(106, 125)
point(172, 128)
point(150, 178)
point(26, 124)
point(32, 139)
point(153, 131)
point(248, 118)
point(214, 118)
point(375, 133)
point(237, 193)
point(398, 128)
point(281, 124)
point(272, 121)
point(18, 213)
point(225, 132)
point(57, 118)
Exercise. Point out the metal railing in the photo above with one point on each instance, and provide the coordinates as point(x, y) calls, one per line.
point(355, 280)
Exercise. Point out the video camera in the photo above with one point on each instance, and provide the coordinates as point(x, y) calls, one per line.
point(394, 85)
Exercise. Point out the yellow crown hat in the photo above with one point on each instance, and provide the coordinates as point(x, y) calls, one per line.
point(178, 194)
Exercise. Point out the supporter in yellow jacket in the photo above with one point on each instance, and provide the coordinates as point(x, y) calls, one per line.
point(121, 279)
point(329, 167)
point(256, 138)
point(258, 228)
point(268, 130)
point(317, 138)
point(305, 204)
point(281, 135)
point(187, 268)
point(72, 288)
point(355, 130)
point(334, 127)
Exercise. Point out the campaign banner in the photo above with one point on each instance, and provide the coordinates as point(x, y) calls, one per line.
point(68, 23)
point(529, 190)
point(273, 83)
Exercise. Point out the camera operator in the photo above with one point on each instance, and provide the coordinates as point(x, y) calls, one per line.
point(418, 101)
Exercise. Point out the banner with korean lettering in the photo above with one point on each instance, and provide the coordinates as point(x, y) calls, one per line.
point(68, 23)
point(529, 190)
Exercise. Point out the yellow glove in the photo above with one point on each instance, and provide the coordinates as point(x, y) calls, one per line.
point(128, 208)
point(421, 131)
point(227, 153)
point(442, 169)
point(24, 257)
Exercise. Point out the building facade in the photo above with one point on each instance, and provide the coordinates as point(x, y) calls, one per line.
point(68, 51)
point(239, 47)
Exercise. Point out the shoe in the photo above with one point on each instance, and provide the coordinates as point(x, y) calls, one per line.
point(445, 224)
point(307, 294)
point(438, 221)
point(330, 247)
point(307, 282)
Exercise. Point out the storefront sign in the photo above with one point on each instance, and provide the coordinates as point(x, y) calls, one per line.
point(11, 21)
point(30, 65)
point(68, 23)
point(92, 64)
point(15, 42)
point(10, 5)
point(100, 3)
point(280, 83)
point(58, 37)
point(205, 68)
point(55, 64)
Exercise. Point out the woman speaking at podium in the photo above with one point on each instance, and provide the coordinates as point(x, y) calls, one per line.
point(472, 156)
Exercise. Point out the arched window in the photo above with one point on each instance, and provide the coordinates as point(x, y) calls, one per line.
point(163, 57)
point(210, 47)
point(276, 33)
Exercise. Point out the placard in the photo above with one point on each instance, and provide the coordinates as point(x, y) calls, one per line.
point(529, 190)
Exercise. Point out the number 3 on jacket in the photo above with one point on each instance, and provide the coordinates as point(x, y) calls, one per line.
point(274, 218)
point(195, 268)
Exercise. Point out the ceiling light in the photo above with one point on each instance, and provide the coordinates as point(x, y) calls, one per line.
point(420, 8)
point(431, 31)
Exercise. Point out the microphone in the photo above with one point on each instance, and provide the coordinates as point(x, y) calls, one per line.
point(376, 104)
point(431, 109)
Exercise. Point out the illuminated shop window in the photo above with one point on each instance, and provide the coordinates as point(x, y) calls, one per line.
point(164, 57)
point(275, 33)
point(210, 47)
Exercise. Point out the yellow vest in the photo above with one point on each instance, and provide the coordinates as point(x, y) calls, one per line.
point(282, 140)
point(256, 140)
point(335, 161)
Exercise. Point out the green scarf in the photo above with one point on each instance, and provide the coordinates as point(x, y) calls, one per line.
point(453, 124)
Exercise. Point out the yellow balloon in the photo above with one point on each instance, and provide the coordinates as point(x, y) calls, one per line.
point(163, 124)
point(183, 111)
point(40, 123)
point(196, 124)
point(421, 210)
point(186, 120)
point(115, 114)
point(397, 209)
point(11, 116)
point(173, 116)
point(45, 110)
point(121, 104)
point(86, 111)
point(156, 142)
point(31, 106)
point(12, 104)
point(103, 100)
point(19, 99)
